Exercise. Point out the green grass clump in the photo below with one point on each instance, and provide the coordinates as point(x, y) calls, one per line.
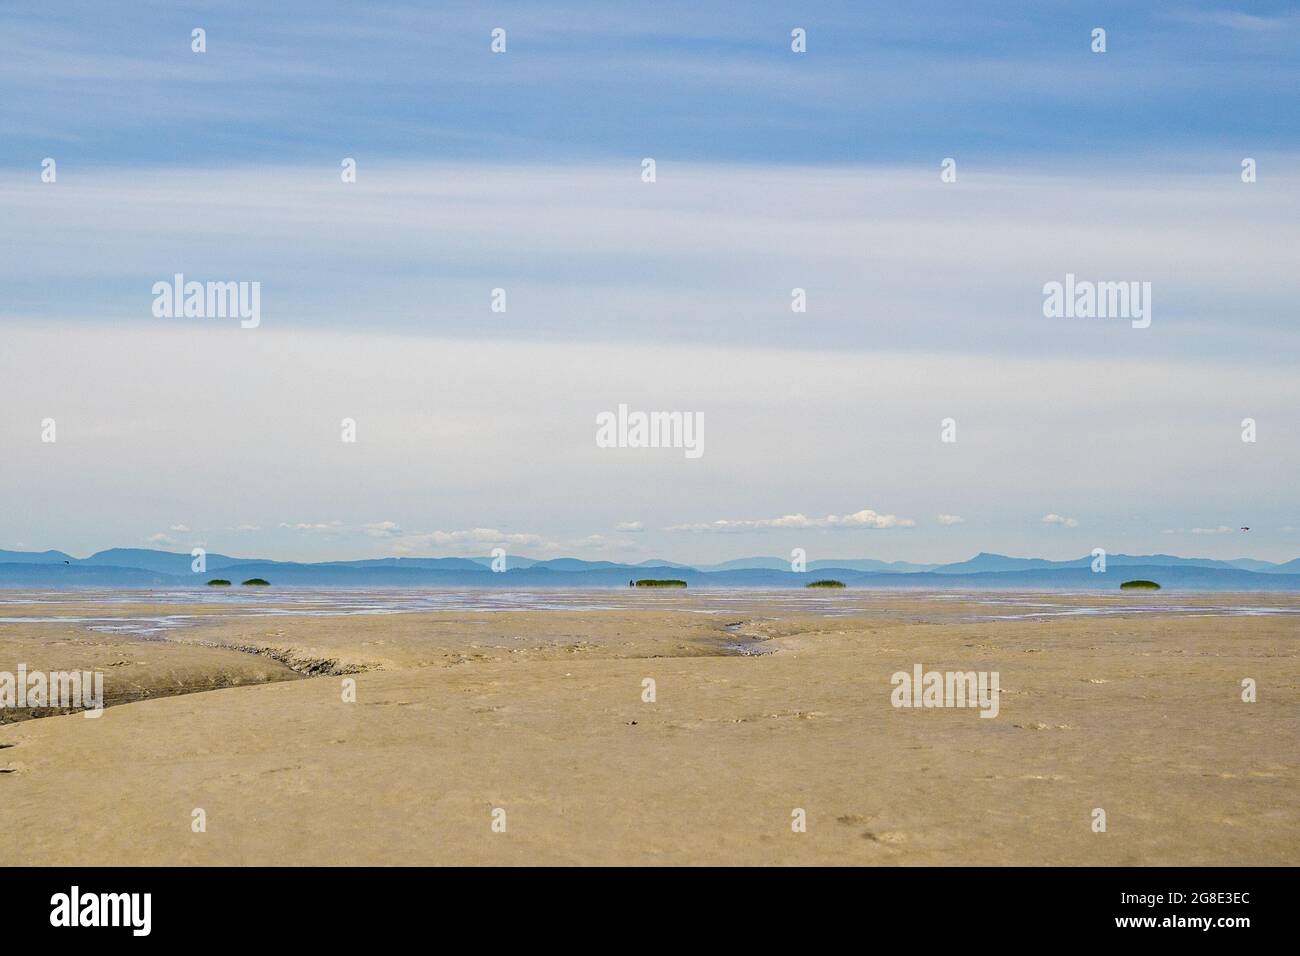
point(1139, 586)
point(660, 583)
point(218, 583)
point(257, 583)
point(825, 583)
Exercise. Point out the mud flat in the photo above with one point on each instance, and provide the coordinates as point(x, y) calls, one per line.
point(542, 714)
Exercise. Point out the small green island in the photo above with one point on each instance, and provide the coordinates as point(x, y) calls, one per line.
point(825, 583)
point(660, 583)
point(257, 583)
point(218, 583)
point(1139, 586)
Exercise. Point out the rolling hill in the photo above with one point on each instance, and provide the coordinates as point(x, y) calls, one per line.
point(146, 568)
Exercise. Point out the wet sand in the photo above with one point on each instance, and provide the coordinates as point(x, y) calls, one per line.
point(133, 669)
point(759, 710)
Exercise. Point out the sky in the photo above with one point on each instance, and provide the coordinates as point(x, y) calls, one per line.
point(774, 170)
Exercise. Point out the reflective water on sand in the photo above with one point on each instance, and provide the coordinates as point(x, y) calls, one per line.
point(94, 608)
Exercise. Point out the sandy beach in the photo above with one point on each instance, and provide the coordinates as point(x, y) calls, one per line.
point(762, 708)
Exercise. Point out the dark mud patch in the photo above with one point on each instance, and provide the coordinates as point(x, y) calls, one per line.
point(306, 666)
point(745, 641)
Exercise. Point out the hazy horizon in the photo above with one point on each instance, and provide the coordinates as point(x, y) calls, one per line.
point(487, 555)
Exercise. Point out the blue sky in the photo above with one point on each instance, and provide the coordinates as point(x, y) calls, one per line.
point(775, 170)
point(882, 83)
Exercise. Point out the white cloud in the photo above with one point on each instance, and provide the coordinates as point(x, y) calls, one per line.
point(400, 541)
point(467, 541)
point(1221, 529)
point(180, 528)
point(483, 536)
point(859, 519)
point(334, 526)
point(950, 519)
point(630, 527)
point(161, 538)
point(1059, 520)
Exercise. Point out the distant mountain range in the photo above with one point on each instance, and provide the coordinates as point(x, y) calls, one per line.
point(144, 568)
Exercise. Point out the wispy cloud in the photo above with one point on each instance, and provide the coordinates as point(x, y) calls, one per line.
point(1239, 20)
point(950, 519)
point(113, 233)
point(896, 83)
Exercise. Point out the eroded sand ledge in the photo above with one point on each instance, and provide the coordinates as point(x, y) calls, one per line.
point(540, 713)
